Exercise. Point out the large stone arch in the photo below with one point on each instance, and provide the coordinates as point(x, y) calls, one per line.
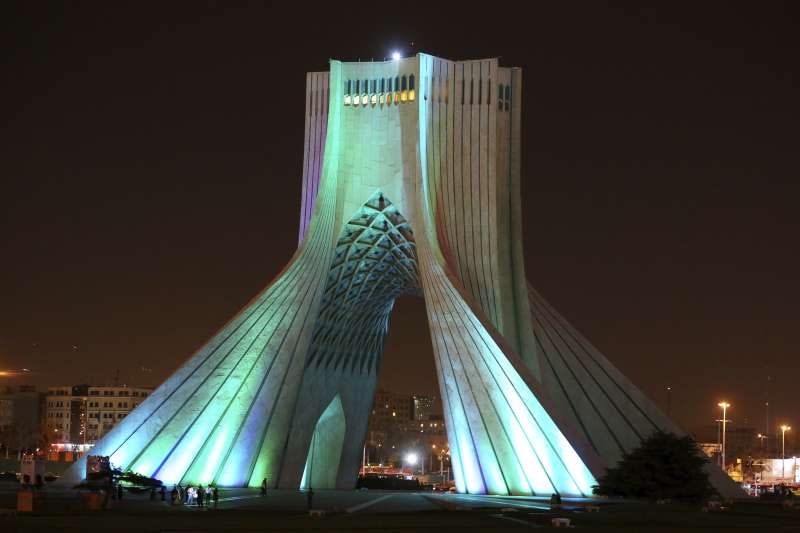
point(531, 406)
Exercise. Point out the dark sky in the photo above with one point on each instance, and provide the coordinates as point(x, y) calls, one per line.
point(151, 160)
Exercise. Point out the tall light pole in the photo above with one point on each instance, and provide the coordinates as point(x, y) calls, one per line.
point(724, 406)
point(669, 400)
point(784, 429)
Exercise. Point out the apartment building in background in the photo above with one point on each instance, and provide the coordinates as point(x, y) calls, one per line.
point(77, 416)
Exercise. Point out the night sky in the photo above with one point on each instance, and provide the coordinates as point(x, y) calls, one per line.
point(151, 159)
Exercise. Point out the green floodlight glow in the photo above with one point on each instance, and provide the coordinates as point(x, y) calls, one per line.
point(410, 189)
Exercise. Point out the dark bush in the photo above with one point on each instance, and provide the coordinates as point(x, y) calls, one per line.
point(663, 467)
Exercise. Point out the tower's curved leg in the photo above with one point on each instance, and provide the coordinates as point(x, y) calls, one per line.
point(503, 439)
point(604, 405)
point(216, 417)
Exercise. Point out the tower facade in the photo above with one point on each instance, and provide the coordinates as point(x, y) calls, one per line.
point(411, 185)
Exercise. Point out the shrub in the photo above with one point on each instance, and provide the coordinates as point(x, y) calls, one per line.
point(663, 467)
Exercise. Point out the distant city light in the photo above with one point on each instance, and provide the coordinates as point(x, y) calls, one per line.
point(395, 55)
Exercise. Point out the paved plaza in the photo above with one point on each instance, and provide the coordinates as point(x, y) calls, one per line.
point(285, 510)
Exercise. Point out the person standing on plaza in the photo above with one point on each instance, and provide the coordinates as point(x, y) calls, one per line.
point(201, 494)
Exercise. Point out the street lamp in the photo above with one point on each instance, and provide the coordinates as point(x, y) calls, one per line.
point(784, 429)
point(669, 400)
point(762, 438)
point(724, 406)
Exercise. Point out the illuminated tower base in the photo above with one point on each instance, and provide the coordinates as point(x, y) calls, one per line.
point(411, 185)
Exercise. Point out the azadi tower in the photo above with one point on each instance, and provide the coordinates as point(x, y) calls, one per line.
point(411, 185)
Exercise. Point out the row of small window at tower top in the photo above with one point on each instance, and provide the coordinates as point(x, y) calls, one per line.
point(362, 92)
point(379, 86)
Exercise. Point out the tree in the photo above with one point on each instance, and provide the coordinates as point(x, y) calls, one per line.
point(663, 467)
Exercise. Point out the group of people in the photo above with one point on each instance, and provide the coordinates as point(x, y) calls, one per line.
point(192, 495)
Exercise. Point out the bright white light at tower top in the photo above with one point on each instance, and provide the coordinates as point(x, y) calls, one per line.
point(395, 55)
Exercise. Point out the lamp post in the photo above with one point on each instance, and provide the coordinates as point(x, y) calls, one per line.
point(724, 406)
point(762, 438)
point(669, 400)
point(784, 429)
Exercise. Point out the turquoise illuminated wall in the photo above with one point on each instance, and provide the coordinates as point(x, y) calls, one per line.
point(411, 185)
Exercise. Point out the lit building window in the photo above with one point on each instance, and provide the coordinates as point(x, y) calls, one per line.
point(412, 93)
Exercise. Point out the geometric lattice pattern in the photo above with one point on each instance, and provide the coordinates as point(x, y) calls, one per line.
point(374, 262)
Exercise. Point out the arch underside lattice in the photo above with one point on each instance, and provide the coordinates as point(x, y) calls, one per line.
point(374, 262)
